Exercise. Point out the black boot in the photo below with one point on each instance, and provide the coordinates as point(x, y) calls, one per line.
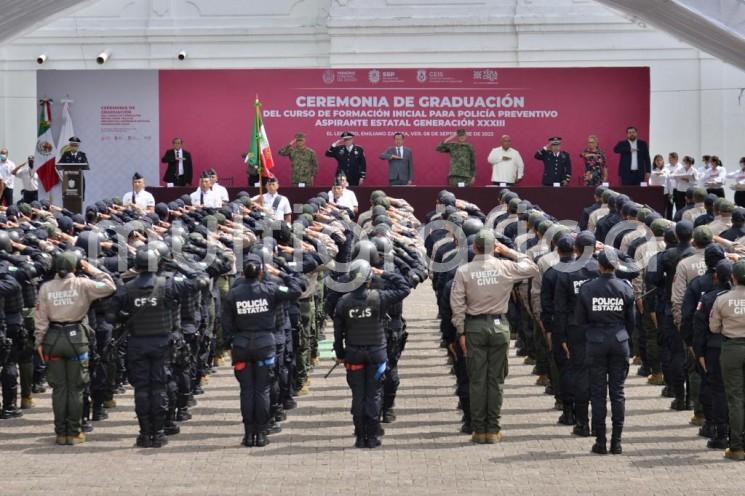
point(273, 427)
point(567, 418)
point(289, 403)
point(389, 416)
point(249, 437)
point(707, 430)
point(582, 427)
point(99, 413)
point(581, 430)
point(373, 441)
point(720, 434)
point(678, 404)
point(279, 414)
point(159, 438)
point(615, 440)
point(599, 448)
point(261, 439)
point(170, 427)
point(361, 436)
point(144, 439)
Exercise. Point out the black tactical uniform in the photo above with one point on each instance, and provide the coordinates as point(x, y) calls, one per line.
point(605, 307)
point(248, 320)
point(360, 340)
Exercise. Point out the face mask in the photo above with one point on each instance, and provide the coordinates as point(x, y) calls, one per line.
point(3, 158)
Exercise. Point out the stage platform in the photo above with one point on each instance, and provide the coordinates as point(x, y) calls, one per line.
point(564, 203)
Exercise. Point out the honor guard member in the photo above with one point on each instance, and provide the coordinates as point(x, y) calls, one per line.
point(145, 306)
point(303, 161)
point(62, 340)
point(462, 159)
point(350, 159)
point(138, 196)
point(11, 304)
point(248, 320)
point(360, 343)
point(479, 299)
point(557, 165)
point(728, 319)
point(605, 307)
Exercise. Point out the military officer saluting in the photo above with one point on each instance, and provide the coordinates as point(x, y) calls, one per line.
point(605, 307)
point(62, 341)
point(360, 342)
point(728, 319)
point(479, 299)
point(462, 159)
point(350, 159)
point(557, 166)
point(303, 161)
point(249, 322)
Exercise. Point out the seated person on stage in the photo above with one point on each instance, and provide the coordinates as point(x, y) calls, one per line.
point(204, 196)
point(557, 166)
point(221, 190)
point(342, 196)
point(138, 196)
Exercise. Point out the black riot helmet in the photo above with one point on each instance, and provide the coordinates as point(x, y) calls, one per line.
point(5, 244)
point(360, 271)
point(383, 245)
point(472, 226)
point(147, 260)
point(366, 250)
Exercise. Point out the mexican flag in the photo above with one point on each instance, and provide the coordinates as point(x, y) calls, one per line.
point(260, 155)
point(45, 154)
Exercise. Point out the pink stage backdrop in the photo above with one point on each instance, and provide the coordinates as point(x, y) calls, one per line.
point(212, 110)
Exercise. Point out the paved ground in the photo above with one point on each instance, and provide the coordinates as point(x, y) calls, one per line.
point(422, 452)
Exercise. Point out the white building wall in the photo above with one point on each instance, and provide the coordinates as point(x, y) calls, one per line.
point(696, 102)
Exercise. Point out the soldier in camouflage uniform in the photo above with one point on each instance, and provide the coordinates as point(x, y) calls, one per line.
point(462, 159)
point(302, 159)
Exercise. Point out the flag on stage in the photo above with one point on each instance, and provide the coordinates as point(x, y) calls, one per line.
point(66, 131)
point(260, 154)
point(45, 154)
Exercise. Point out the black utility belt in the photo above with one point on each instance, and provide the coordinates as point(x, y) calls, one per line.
point(65, 324)
point(737, 340)
point(485, 316)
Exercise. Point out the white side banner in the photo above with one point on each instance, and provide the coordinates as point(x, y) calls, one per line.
point(115, 114)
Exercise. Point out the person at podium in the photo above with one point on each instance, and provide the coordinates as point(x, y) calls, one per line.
point(557, 165)
point(73, 155)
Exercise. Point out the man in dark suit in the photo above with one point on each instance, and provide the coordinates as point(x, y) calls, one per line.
point(635, 164)
point(557, 166)
point(350, 158)
point(73, 155)
point(179, 168)
point(400, 162)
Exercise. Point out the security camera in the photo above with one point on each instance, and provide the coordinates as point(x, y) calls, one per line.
point(41, 58)
point(103, 57)
point(181, 55)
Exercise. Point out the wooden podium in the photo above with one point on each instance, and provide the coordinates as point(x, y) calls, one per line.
point(73, 186)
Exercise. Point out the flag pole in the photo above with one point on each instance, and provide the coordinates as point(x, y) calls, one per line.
point(258, 145)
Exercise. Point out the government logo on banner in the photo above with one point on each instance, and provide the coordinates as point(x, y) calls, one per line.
point(374, 76)
point(328, 76)
point(421, 75)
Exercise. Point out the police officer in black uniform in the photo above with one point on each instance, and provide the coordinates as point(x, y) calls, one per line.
point(350, 158)
point(249, 320)
point(557, 165)
point(11, 335)
point(360, 342)
point(605, 307)
point(145, 305)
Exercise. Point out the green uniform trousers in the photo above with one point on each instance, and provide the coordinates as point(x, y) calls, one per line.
point(732, 361)
point(487, 340)
point(66, 354)
point(305, 338)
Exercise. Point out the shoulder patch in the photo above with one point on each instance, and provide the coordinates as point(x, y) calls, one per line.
point(283, 289)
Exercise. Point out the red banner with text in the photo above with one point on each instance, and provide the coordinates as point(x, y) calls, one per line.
point(212, 111)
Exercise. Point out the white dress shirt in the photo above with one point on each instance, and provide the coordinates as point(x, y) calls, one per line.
point(180, 157)
point(283, 207)
point(713, 178)
point(29, 179)
point(684, 179)
point(347, 199)
point(506, 171)
point(634, 155)
point(6, 176)
point(739, 177)
point(208, 199)
point(143, 199)
point(221, 191)
point(661, 177)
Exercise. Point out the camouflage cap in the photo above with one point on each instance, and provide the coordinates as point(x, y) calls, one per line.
point(726, 207)
point(299, 136)
point(699, 195)
point(484, 238)
point(659, 226)
point(738, 270)
point(460, 132)
point(702, 235)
